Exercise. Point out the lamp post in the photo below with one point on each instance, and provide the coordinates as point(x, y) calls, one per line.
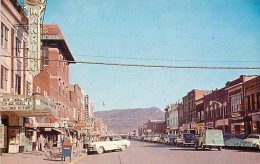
point(221, 105)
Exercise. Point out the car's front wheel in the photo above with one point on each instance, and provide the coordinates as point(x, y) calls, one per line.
point(100, 150)
point(123, 147)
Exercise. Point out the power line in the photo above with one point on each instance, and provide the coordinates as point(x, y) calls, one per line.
point(176, 60)
point(143, 65)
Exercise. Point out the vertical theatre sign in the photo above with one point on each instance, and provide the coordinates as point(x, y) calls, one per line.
point(34, 9)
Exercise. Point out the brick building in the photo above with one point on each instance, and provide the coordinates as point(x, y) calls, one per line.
point(189, 109)
point(217, 110)
point(53, 80)
point(155, 127)
point(236, 102)
point(252, 104)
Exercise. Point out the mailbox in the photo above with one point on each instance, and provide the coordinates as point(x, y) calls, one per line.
point(66, 150)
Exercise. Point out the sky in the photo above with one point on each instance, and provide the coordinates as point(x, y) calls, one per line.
point(156, 32)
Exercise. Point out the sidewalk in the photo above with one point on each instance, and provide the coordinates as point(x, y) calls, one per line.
point(36, 157)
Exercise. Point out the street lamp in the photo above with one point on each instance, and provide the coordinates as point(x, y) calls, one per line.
point(221, 105)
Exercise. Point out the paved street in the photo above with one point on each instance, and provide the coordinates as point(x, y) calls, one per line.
point(153, 153)
point(34, 158)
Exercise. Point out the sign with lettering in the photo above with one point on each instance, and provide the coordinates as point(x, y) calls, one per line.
point(2, 136)
point(16, 103)
point(48, 125)
point(34, 9)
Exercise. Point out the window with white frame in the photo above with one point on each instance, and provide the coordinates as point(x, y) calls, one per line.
point(45, 94)
point(4, 36)
point(38, 89)
point(202, 115)
point(4, 77)
point(236, 103)
point(18, 47)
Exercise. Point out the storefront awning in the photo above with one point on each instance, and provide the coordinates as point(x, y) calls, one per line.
point(58, 130)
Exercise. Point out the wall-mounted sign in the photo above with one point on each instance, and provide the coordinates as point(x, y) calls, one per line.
point(16, 103)
point(34, 9)
point(48, 125)
point(2, 136)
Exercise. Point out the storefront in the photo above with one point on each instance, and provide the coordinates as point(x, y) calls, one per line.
point(200, 127)
point(222, 125)
point(19, 135)
point(209, 125)
point(237, 125)
point(255, 123)
point(51, 132)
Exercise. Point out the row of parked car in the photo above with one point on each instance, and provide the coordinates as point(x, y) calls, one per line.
point(209, 138)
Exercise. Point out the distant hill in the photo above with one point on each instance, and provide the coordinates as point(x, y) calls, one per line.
point(126, 120)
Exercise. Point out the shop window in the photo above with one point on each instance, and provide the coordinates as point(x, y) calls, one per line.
point(4, 77)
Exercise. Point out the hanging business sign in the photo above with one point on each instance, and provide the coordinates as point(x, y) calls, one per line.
point(34, 9)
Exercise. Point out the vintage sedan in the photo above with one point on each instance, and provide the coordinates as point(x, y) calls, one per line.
point(252, 141)
point(233, 140)
point(109, 143)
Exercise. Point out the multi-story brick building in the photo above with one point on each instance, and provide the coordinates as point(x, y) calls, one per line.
point(216, 110)
point(53, 80)
point(252, 104)
point(236, 103)
point(78, 101)
point(189, 109)
point(200, 115)
point(155, 127)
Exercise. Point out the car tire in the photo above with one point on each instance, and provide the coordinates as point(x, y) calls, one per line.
point(100, 150)
point(219, 148)
point(123, 147)
point(202, 146)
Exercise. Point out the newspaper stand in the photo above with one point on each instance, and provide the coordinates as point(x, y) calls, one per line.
point(66, 150)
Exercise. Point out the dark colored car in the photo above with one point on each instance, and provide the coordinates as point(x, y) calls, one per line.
point(186, 139)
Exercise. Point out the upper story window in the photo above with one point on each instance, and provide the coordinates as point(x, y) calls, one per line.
point(4, 77)
point(45, 56)
point(236, 103)
point(38, 89)
point(45, 94)
point(18, 84)
point(4, 36)
point(202, 115)
point(18, 47)
point(28, 88)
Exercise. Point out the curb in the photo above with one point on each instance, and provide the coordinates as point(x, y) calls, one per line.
point(77, 159)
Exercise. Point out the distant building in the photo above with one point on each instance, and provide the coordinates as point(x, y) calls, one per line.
point(155, 127)
point(172, 117)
